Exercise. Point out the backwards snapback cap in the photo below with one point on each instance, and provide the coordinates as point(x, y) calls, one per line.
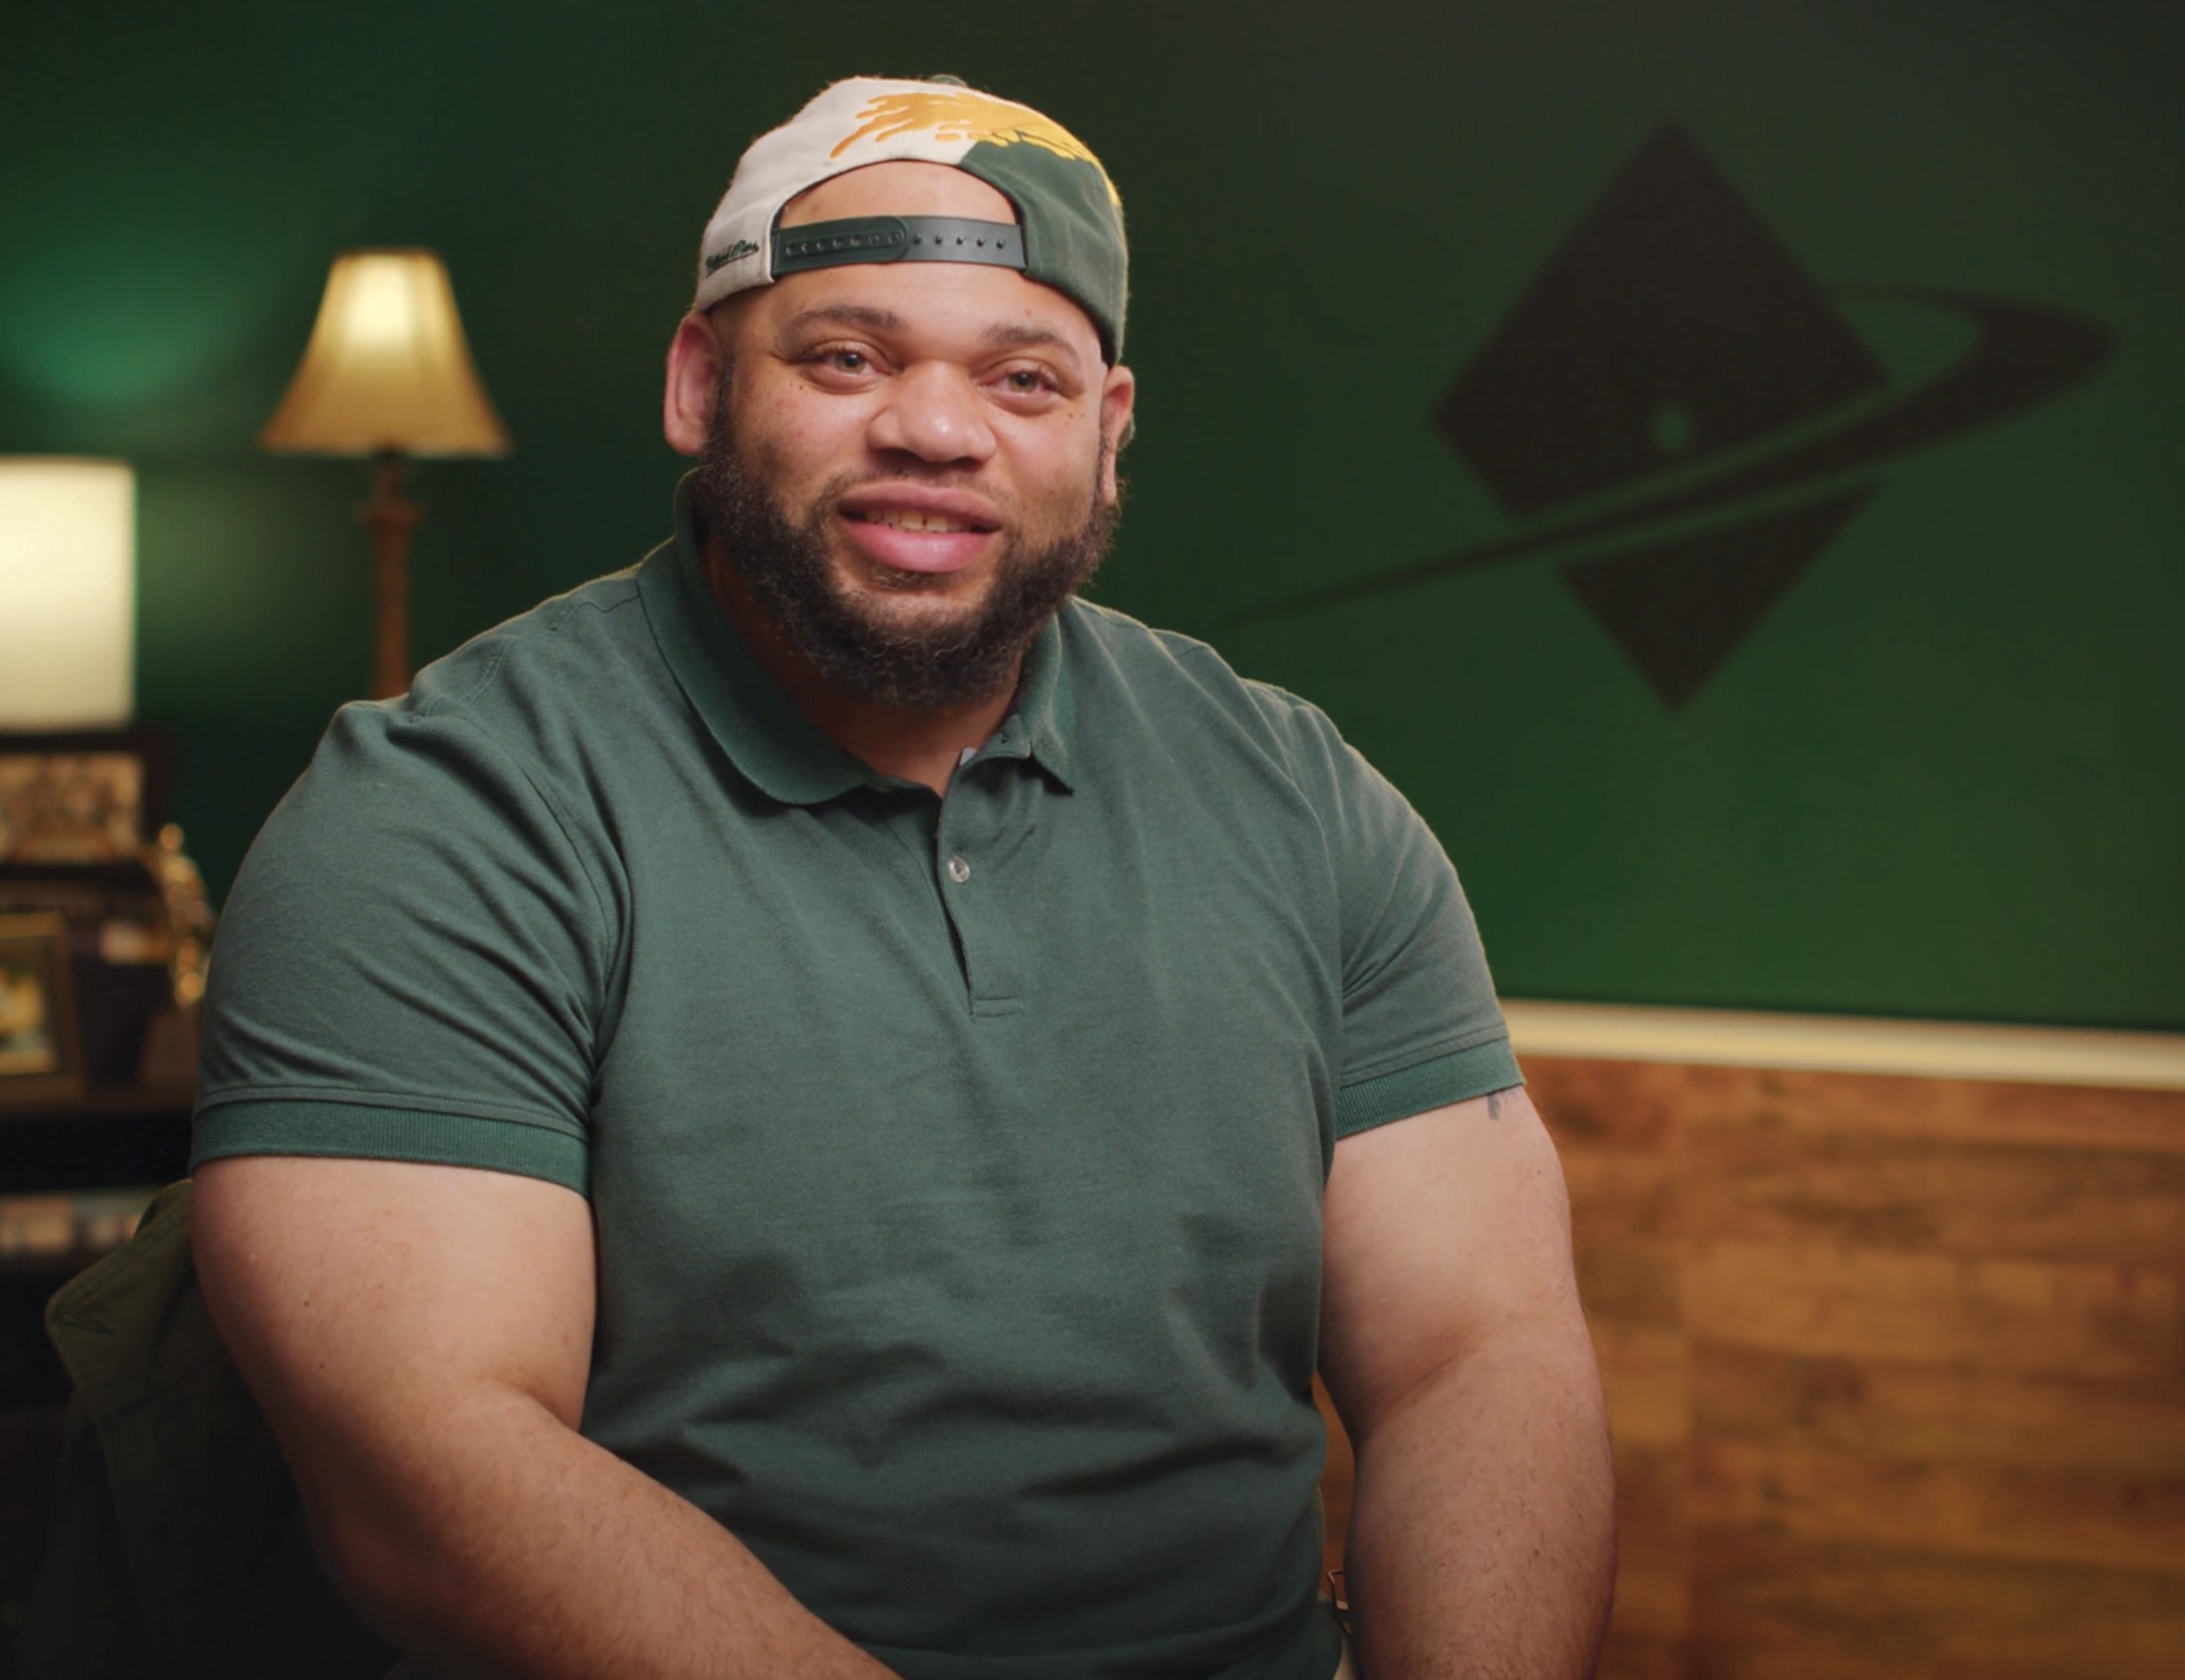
point(1068, 231)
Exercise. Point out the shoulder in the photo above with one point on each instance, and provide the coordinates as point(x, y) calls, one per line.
point(541, 696)
point(490, 754)
point(1186, 683)
point(567, 654)
point(1236, 738)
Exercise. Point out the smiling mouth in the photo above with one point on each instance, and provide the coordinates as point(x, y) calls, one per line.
point(911, 519)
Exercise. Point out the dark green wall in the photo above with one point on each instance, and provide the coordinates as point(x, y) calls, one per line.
point(1945, 776)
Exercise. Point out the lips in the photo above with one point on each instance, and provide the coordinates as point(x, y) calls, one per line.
point(914, 528)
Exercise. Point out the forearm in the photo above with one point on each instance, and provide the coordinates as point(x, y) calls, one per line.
point(509, 1545)
point(1483, 1526)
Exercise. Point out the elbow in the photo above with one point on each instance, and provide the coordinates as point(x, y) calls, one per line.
point(1549, 1354)
point(377, 1567)
point(409, 1535)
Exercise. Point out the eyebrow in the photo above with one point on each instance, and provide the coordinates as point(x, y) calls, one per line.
point(1017, 336)
point(846, 315)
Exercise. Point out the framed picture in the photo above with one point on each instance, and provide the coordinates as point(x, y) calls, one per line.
point(40, 1057)
point(89, 799)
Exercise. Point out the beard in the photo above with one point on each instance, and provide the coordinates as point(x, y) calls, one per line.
point(908, 658)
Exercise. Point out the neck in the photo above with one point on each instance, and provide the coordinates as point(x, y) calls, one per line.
point(919, 744)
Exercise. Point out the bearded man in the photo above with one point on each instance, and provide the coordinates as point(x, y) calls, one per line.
point(812, 1107)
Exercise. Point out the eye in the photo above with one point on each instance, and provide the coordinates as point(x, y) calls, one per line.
point(839, 365)
point(1027, 382)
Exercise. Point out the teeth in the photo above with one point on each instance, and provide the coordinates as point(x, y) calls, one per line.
point(910, 518)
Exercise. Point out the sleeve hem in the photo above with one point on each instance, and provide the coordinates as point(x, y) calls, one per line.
point(1492, 1030)
point(383, 1101)
point(1432, 1084)
point(369, 1133)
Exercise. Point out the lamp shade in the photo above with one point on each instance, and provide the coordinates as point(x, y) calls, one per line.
point(67, 592)
point(387, 367)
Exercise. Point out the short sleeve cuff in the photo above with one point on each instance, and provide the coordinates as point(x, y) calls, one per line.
point(1453, 1078)
point(363, 1132)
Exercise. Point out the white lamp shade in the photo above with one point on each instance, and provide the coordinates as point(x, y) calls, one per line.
point(387, 367)
point(68, 593)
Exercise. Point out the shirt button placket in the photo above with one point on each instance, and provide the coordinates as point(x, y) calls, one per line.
point(969, 838)
point(956, 869)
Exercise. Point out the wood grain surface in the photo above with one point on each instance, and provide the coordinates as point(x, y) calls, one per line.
point(1894, 1369)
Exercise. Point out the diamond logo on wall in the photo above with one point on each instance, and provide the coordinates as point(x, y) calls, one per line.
point(1675, 395)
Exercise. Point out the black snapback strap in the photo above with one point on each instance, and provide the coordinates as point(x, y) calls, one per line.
point(897, 239)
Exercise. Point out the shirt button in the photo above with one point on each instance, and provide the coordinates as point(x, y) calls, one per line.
point(958, 870)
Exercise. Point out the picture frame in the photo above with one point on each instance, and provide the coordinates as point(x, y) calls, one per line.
point(85, 799)
point(40, 1054)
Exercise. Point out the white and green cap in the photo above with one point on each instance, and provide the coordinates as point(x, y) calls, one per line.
point(1068, 231)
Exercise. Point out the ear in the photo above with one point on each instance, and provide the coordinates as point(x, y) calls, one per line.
point(693, 377)
point(1117, 395)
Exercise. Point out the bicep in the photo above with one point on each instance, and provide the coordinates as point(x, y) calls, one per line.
point(363, 1298)
point(1445, 1234)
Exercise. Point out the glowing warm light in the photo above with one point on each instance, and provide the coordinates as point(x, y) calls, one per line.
point(68, 593)
point(387, 367)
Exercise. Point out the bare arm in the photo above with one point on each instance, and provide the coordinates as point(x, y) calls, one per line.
point(420, 1338)
point(1482, 1537)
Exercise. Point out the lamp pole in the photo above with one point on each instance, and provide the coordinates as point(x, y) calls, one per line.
point(390, 516)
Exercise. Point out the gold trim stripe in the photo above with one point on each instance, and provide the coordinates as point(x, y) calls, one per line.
point(1934, 1050)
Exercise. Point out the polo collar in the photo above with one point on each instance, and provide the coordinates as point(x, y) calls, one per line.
point(1040, 723)
point(768, 735)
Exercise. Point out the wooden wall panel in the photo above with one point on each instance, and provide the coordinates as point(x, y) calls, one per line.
point(1937, 1412)
point(1976, 1510)
point(1813, 1607)
point(1654, 1584)
point(2046, 1202)
point(1647, 1374)
point(1998, 1314)
point(1895, 1370)
point(1633, 1282)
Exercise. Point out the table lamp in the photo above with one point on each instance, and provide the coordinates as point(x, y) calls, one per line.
point(68, 593)
point(387, 374)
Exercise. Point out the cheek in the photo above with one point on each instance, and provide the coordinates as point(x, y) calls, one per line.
point(803, 441)
point(1065, 469)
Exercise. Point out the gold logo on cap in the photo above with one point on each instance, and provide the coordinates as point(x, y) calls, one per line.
point(975, 117)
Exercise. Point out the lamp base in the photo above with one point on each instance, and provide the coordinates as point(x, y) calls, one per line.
point(390, 518)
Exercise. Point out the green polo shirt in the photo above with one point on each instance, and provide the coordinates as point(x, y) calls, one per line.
point(956, 1162)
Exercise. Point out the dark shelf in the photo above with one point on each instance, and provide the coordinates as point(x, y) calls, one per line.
point(118, 1135)
point(57, 1268)
point(103, 1102)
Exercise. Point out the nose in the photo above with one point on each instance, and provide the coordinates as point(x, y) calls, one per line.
point(933, 411)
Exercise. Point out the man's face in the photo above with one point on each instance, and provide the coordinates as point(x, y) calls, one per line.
point(909, 467)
